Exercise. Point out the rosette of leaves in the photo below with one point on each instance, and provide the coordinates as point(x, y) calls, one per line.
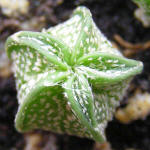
point(143, 12)
point(69, 78)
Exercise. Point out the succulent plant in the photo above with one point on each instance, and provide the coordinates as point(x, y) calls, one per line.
point(143, 12)
point(69, 78)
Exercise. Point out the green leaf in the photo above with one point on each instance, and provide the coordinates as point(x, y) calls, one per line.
point(104, 68)
point(46, 107)
point(42, 43)
point(82, 43)
point(81, 101)
point(39, 97)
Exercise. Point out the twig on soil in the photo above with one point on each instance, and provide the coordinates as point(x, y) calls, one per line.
point(130, 48)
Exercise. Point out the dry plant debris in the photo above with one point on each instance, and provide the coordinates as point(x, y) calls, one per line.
point(33, 141)
point(137, 108)
point(14, 8)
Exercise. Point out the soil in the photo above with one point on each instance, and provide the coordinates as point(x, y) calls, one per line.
point(112, 17)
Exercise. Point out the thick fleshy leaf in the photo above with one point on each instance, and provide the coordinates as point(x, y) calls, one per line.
point(45, 106)
point(70, 30)
point(75, 32)
point(29, 66)
point(82, 96)
point(81, 101)
point(81, 35)
point(26, 87)
point(82, 43)
point(107, 98)
point(105, 68)
point(50, 48)
point(39, 90)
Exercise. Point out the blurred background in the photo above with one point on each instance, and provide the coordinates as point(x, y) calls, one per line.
point(130, 128)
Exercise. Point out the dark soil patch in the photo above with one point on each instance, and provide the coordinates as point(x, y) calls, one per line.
point(9, 137)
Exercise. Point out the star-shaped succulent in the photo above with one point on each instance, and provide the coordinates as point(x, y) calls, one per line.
point(69, 77)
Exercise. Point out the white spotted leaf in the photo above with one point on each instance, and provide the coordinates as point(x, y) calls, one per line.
point(81, 100)
point(104, 68)
point(42, 43)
